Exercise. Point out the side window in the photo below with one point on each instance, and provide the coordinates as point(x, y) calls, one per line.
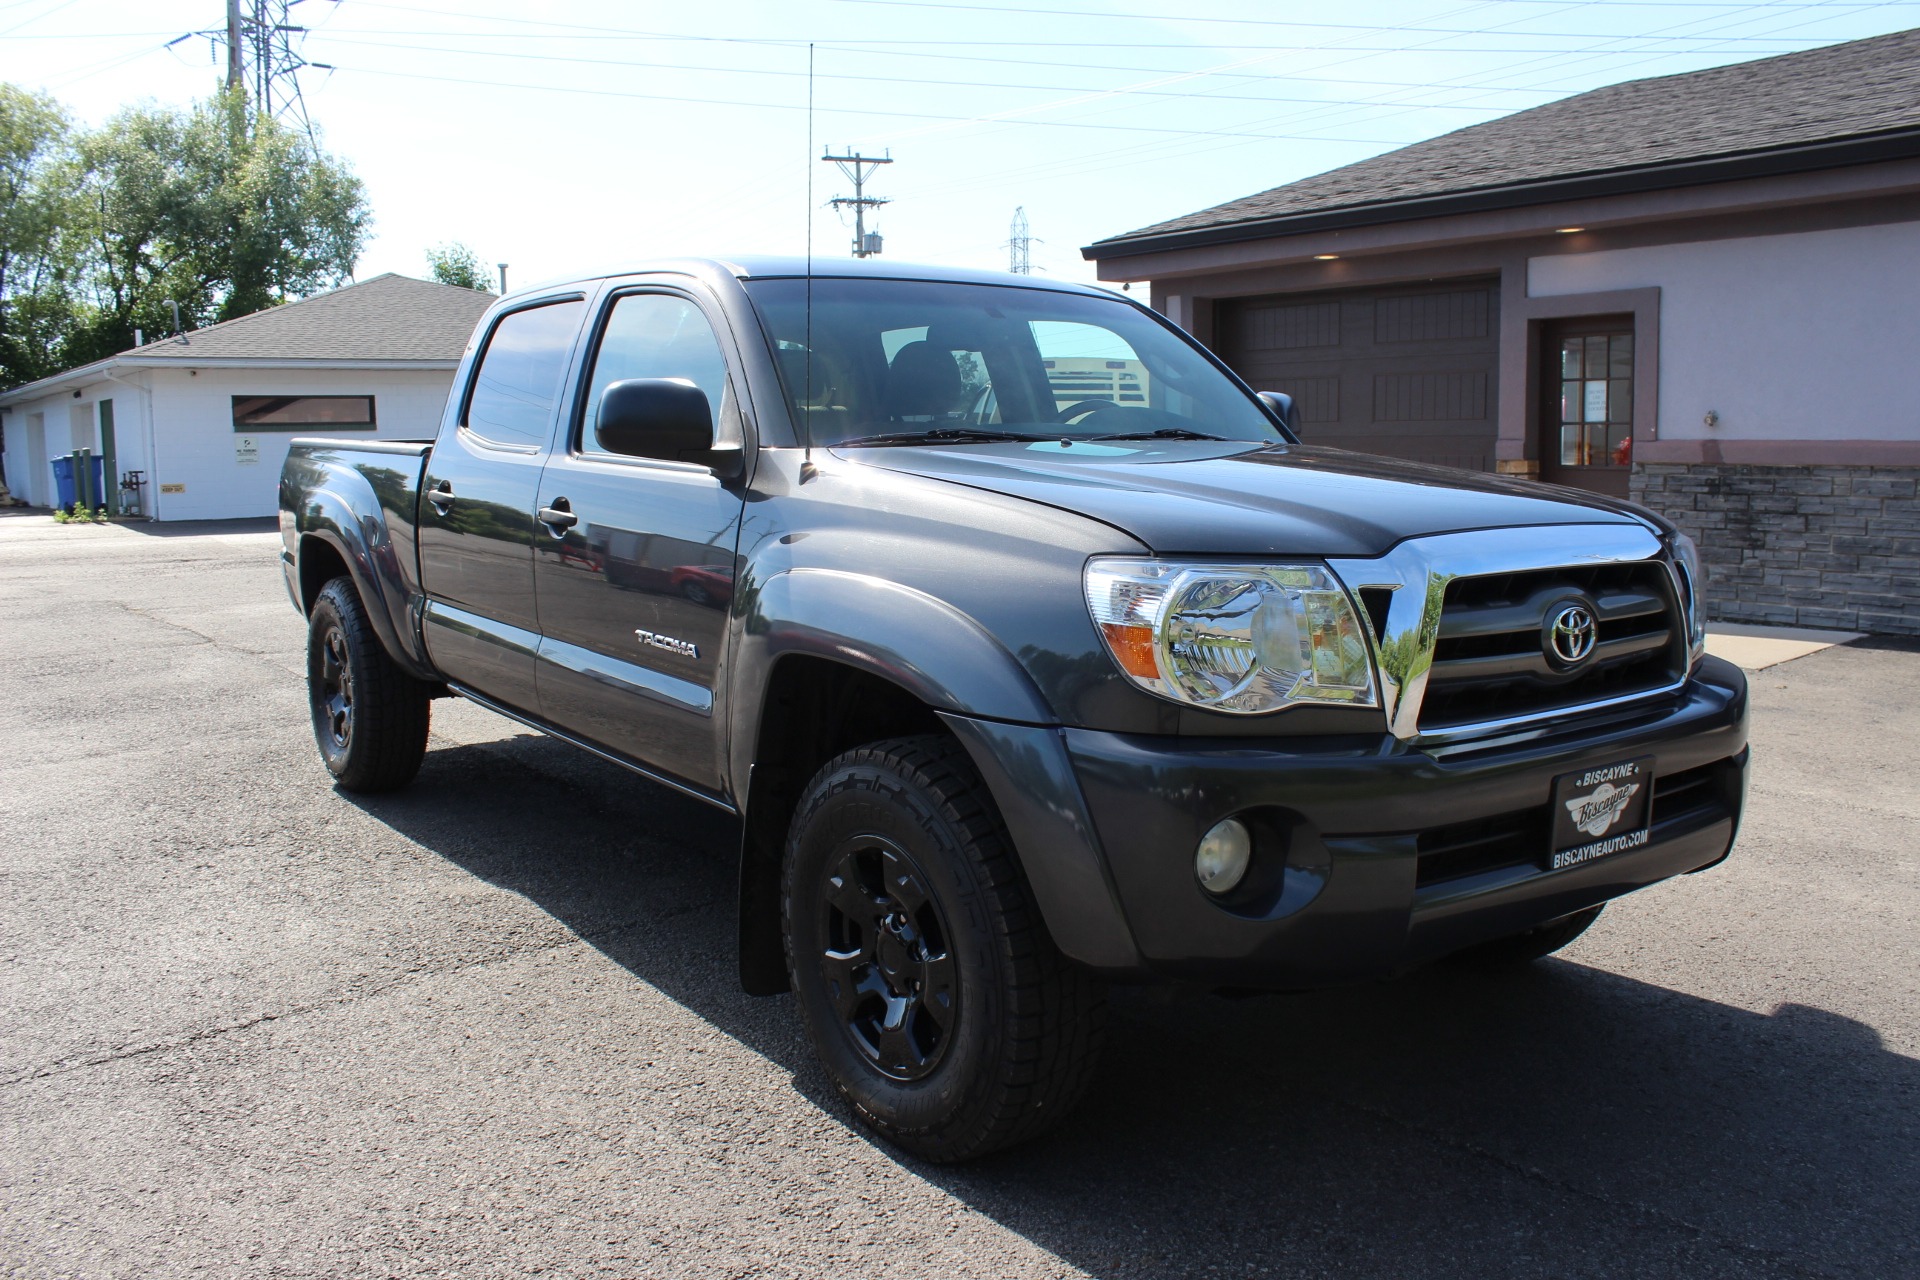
point(519, 376)
point(659, 335)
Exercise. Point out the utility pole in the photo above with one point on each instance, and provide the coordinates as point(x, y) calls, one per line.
point(1018, 243)
point(858, 169)
point(234, 80)
point(503, 278)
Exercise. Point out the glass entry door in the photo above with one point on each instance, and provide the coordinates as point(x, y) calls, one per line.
point(1587, 420)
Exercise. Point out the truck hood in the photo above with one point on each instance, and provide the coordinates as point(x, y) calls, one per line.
point(1234, 498)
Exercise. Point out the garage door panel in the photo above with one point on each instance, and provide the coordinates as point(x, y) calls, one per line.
point(1291, 327)
point(1433, 317)
point(1405, 371)
point(1457, 395)
point(1317, 399)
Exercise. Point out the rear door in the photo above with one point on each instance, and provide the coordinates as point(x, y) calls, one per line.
point(477, 527)
point(634, 592)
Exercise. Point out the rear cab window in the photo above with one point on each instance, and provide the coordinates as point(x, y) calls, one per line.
point(518, 380)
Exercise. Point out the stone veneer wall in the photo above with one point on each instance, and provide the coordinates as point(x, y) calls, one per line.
point(1835, 547)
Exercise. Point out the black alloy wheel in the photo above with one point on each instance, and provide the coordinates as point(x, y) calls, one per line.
point(369, 716)
point(336, 686)
point(923, 970)
point(885, 961)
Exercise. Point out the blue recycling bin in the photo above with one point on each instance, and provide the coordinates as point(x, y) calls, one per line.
point(66, 488)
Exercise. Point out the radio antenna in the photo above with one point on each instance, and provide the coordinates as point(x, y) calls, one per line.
point(806, 408)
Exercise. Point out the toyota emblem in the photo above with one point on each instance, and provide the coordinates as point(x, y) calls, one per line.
point(1571, 634)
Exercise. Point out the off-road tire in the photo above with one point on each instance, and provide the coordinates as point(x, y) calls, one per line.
point(1029, 1024)
point(1535, 944)
point(386, 710)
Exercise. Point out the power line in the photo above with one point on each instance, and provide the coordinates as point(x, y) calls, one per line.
point(798, 42)
point(913, 80)
point(852, 111)
point(1137, 152)
point(1240, 22)
point(48, 13)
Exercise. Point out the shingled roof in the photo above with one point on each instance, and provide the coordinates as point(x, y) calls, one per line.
point(1863, 91)
point(389, 317)
point(390, 320)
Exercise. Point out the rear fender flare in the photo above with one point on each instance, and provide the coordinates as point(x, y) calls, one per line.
point(362, 541)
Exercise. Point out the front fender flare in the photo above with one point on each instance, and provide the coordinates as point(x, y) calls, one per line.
point(906, 637)
point(984, 696)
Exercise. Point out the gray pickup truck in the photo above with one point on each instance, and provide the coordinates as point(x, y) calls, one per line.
point(1032, 648)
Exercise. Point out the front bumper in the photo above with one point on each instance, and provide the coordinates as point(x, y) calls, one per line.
point(1372, 856)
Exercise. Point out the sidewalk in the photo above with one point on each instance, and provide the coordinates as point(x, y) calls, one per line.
point(1757, 648)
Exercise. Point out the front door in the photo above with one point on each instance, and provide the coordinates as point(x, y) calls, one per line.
point(634, 593)
point(1587, 414)
point(38, 487)
point(476, 514)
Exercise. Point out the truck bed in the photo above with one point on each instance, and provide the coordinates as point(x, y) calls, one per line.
point(329, 488)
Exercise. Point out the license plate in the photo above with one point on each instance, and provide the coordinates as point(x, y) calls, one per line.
point(1601, 811)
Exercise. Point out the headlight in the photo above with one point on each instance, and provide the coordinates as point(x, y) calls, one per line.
point(1243, 639)
point(1693, 584)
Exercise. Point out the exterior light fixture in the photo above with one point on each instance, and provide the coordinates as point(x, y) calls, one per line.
point(1567, 231)
point(1325, 257)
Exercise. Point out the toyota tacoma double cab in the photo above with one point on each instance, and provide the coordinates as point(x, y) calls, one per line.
point(1032, 648)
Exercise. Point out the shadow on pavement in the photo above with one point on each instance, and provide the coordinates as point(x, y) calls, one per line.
point(201, 528)
point(1557, 1121)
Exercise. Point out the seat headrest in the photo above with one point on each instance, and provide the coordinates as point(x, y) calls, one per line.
point(923, 382)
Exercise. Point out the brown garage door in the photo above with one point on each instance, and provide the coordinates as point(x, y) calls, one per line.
point(1410, 370)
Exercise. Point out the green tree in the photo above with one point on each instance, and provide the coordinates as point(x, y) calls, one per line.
point(211, 208)
point(457, 265)
point(36, 197)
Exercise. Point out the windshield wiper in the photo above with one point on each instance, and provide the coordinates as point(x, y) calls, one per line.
point(939, 435)
point(1164, 433)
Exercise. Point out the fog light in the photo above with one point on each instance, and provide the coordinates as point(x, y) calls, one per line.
point(1221, 859)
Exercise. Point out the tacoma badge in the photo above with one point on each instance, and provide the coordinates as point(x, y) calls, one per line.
point(654, 640)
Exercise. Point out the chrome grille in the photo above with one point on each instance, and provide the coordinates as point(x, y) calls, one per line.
point(1490, 661)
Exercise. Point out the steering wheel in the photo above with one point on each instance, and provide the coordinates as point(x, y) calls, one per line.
point(1082, 409)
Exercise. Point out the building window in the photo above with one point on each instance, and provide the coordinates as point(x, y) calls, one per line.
point(293, 413)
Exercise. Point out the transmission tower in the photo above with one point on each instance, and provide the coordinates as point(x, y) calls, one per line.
point(858, 169)
point(262, 44)
point(1018, 244)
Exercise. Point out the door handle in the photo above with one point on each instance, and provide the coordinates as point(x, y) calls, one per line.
point(559, 517)
point(441, 496)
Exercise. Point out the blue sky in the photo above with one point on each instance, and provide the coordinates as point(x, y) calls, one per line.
point(578, 133)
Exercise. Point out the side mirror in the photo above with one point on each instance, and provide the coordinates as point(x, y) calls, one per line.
point(667, 418)
point(1280, 405)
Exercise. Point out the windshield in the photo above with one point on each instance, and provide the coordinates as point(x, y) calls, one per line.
point(905, 361)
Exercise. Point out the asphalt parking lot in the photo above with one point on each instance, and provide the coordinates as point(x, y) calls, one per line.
point(488, 1026)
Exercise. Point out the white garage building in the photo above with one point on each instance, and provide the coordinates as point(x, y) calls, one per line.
point(198, 423)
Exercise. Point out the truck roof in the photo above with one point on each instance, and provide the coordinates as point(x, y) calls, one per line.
point(771, 266)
